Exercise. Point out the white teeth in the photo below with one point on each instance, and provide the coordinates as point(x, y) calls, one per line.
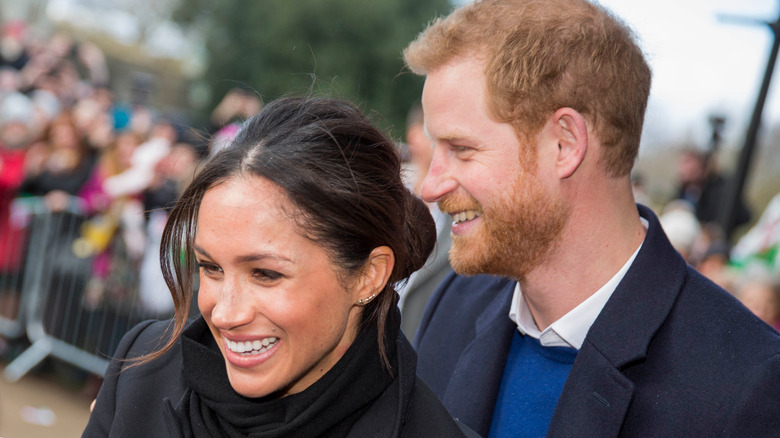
point(251, 347)
point(464, 216)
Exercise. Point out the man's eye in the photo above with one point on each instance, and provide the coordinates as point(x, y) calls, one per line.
point(459, 148)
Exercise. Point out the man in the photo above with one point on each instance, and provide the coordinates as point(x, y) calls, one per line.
point(535, 110)
point(421, 285)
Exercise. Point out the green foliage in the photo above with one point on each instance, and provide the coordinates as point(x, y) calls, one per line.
point(346, 48)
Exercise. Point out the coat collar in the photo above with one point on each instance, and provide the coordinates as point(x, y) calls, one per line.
point(481, 366)
point(388, 413)
point(596, 396)
point(642, 301)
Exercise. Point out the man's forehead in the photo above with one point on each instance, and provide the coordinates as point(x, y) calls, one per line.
point(453, 135)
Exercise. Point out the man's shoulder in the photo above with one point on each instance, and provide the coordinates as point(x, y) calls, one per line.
point(429, 418)
point(460, 299)
point(718, 318)
point(472, 288)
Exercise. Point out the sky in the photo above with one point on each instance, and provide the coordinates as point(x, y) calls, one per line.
point(703, 64)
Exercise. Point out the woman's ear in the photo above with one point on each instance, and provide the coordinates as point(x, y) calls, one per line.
point(572, 135)
point(375, 274)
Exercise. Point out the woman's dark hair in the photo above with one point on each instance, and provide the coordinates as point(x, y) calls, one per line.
point(343, 176)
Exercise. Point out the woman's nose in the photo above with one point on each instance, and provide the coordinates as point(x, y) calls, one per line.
point(231, 309)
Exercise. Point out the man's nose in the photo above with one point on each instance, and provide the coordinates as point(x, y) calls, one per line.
point(439, 181)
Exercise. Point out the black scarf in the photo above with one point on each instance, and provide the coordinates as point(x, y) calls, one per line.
point(328, 408)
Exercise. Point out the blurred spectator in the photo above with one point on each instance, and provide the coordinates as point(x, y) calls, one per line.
point(715, 265)
point(701, 245)
point(236, 106)
point(47, 108)
point(9, 81)
point(13, 45)
point(704, 187)
point(761, 294)
point(106, 213)
point(172, 175)
point(15, 115)
point(116, 159)
point(681, 226)
point(59, 165)
point(94, 118)
point(140, 175)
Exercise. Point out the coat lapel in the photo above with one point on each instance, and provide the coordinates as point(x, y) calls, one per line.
point(597, 395)
point(595, 398)
point(474, 384)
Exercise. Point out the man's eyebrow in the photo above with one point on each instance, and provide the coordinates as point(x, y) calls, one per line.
point(453, 137)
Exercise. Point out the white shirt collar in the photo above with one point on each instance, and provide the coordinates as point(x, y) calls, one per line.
point(571, 328)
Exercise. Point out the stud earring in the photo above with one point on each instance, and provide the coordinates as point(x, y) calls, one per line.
point(364, 301)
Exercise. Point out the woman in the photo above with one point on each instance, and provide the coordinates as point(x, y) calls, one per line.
point(59, 165)
point(299, 229)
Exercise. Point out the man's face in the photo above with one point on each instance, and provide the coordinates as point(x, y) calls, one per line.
point(505, 219)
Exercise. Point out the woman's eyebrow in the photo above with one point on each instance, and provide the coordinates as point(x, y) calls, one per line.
point(248, 258)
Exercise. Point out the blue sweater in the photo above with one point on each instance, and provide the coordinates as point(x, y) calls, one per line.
point(532, 382)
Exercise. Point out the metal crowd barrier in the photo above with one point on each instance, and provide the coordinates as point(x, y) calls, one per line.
point(65, 312)
point(13, 246)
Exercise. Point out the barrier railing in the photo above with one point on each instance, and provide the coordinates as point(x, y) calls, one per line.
point(13, 247)
point(68, 311)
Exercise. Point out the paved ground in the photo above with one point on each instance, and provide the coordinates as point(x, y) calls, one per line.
point(41, 404)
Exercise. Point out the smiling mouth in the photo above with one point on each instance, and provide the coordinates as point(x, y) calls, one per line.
point(249, 348)
point(465, 216)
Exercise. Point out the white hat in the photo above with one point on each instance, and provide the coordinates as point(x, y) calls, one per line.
point(16, 107)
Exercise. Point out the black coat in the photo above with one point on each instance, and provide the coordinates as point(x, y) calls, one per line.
point(670, 355)
point(132, 403)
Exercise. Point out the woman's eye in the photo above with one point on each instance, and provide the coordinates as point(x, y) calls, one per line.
point(267, 275)
point(208, 268)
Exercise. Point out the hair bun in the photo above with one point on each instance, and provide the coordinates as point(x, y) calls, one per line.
point(420, 230)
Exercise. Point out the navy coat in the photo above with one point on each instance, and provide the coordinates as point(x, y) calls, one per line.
point(671, 354)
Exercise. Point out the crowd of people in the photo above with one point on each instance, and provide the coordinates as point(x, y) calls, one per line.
point(68, 142)
point(692, 221)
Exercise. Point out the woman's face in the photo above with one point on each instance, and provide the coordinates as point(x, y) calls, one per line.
point(271, 297)
point(64, 136)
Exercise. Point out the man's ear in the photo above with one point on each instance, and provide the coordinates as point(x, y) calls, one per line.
point(375, 274)
point(571, 130)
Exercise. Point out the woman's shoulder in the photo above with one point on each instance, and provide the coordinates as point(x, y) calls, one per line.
point(132, 396)
point(129, 368)
point(427, 417)
point(144, 338)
